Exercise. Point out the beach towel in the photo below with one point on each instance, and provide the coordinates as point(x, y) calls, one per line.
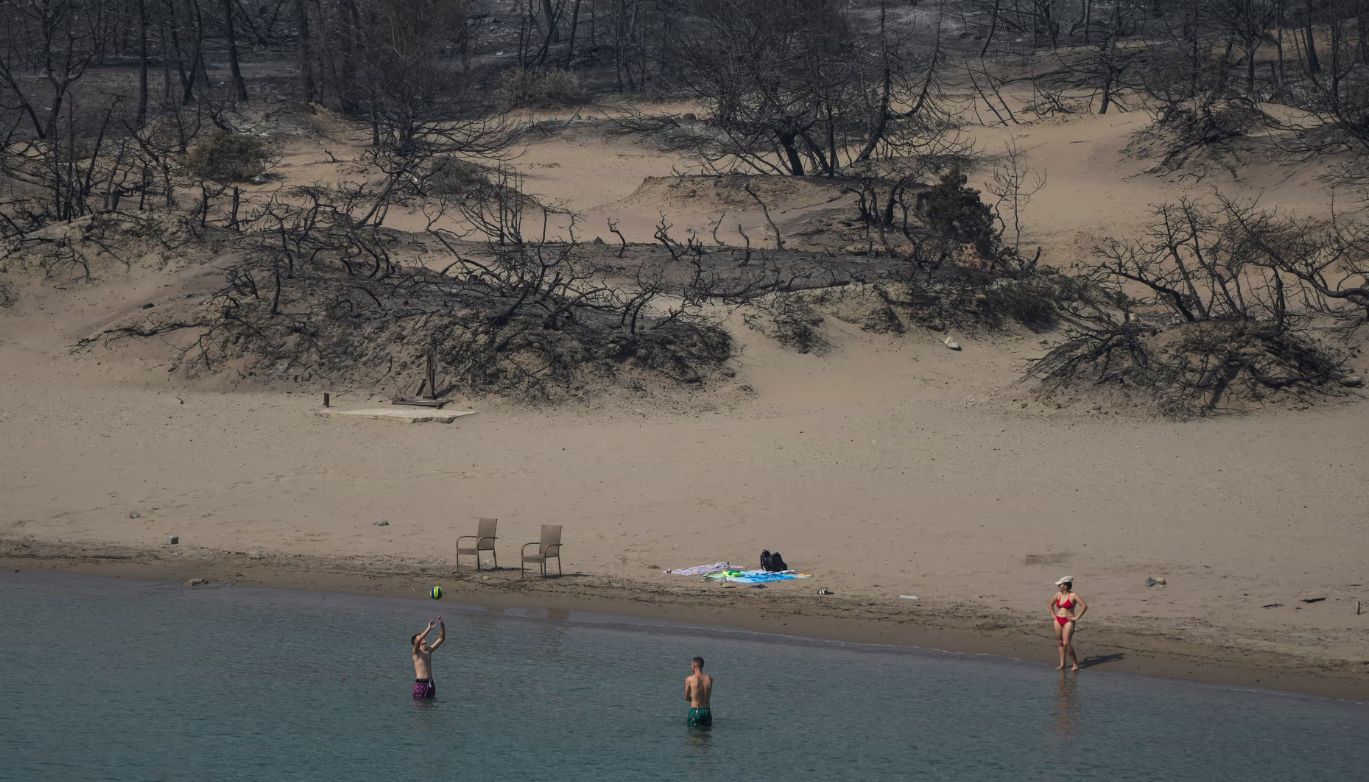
point(700, 569)
point(757, 576)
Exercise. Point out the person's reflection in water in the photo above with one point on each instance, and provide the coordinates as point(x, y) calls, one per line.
point(428, 732)
point(424, 713)
point(697, 747)
point(1066, 707)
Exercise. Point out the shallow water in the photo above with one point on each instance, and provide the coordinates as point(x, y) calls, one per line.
point(114, 680)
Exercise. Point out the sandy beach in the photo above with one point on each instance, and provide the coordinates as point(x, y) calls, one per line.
point(889, 466)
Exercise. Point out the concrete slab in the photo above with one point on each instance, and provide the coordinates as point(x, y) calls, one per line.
point(411, 415)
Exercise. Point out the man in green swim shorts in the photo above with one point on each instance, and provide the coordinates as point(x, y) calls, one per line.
point(699, 693)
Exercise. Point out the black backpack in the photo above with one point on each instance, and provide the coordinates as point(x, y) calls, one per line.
point(765, 561)
point(777, 563)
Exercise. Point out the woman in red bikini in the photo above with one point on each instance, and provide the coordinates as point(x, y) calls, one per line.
point(1062, 612)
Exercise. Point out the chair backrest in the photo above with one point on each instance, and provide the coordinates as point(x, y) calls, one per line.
point(487, 527)
point(551, 536)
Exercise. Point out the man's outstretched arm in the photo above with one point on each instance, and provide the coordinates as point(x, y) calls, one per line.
point(418, 639)
point(441, 634)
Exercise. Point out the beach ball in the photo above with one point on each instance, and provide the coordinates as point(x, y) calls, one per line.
point(436, 593)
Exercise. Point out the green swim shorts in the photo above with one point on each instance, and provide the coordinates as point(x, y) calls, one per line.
point(700, 718)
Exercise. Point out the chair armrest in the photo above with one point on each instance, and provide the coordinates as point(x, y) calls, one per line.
point(466, 537)
point(525, 546)
point(481, 540)
point(556, 546)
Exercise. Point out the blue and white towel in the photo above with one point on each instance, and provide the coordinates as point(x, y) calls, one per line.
point(758, 576)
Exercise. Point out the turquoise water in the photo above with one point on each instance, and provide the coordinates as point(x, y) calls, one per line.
point(113, 680)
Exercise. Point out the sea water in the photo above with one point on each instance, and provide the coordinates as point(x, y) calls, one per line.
point(112, 680)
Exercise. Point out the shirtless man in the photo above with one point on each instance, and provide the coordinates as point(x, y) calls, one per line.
point(699, 692)
point(423, 659)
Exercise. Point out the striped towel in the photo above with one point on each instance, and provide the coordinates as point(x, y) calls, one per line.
point(700, 569)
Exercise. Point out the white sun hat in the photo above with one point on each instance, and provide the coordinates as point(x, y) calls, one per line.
point(1065, 580)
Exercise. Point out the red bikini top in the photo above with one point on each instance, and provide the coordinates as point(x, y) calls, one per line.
point(1067, 604)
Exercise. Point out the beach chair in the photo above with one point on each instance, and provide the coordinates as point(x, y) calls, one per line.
point(484, 541)
point(547, 548)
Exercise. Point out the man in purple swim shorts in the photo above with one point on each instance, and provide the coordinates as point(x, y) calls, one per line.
point(423, 659)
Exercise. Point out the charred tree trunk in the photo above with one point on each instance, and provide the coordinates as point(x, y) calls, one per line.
point(349, 95)
point(201, 62)
point(1109, 74)
point(553, 36)
point(574, 24)
point(165, 57)
point(306, 72)
point(791, 151)
point(238, 83)
point(593, 29)
point(173, 27)
point(1362, 20)
point(993, 27)
point(142, 64)
point(1312, 64)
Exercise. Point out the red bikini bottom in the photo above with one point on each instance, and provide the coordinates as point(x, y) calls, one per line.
point(1064, 620)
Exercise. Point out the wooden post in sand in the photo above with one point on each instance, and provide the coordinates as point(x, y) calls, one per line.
point(325, 398)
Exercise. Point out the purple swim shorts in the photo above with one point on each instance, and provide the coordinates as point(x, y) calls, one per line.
point(424, 688)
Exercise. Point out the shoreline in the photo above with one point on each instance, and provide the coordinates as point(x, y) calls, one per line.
point(952, 627)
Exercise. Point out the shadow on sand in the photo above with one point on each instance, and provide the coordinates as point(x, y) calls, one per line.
point(1100, 659)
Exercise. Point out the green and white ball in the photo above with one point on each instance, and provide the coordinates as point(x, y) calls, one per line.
point(436, 593)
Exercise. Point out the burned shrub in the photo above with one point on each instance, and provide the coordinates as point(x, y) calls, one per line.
point(319, 293)
point(983, 297)
point(1032, 302)
point(1194, 369)
point(93, 248)
point(1195, 135)
point(790, 320)
point(447, 175)
point(955, 212)
point(225, 156)
point(538, 89)
point(1218, 303)
point(871, 307)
